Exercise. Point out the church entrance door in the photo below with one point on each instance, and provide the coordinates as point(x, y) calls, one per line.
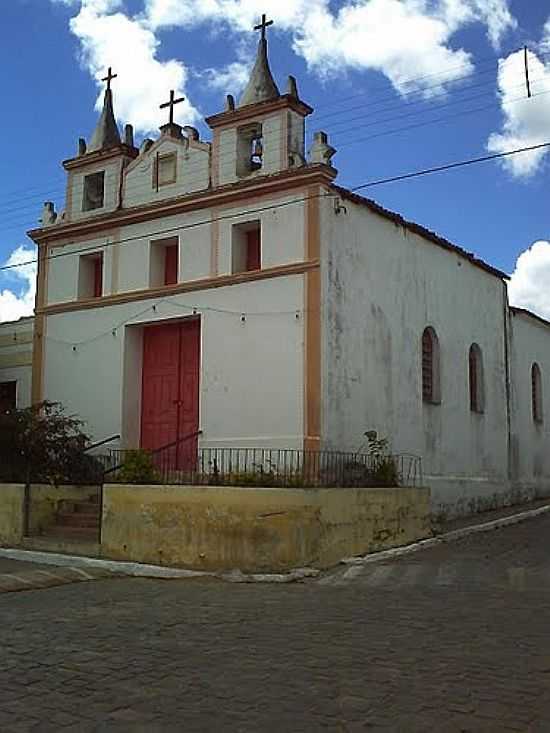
point(170, 391)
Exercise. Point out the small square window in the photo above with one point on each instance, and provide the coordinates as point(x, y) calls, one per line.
point(246, 254)
point(94, 191)
point(90, 276)
point(164, 170)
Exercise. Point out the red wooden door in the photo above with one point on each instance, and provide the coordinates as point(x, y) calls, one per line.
point(170, 391)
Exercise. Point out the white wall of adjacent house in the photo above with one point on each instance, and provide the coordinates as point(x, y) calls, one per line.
point(383, 285)
point(251, 374)
point(16, 339)
point(530, 454)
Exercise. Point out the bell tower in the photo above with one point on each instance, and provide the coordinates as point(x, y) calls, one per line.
point(265, 133)
point(95, 174)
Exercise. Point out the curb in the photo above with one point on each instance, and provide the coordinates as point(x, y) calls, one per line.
point(141, 570)
point(452, 536)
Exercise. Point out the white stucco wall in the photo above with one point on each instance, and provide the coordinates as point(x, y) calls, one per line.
point(16, 357)
point(127, 252)
point(382, 286)
point(251, 389)
point(192, 172)
point(530, 446)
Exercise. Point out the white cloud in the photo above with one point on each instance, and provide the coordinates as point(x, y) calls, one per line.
point(130, 47)
point(528, 287)
point(525, 120)
point(12, 305)
point(399, 38)
point(232, 77)
point(357, 35)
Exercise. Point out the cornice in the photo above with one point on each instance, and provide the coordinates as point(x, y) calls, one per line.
point(100, 155)
point(229, 117)
point(220, 281)
point(209, 198)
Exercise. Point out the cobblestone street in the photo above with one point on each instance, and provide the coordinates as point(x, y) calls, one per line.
point(454, 638)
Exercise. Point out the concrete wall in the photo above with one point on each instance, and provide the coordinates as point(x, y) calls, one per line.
point(530, 445)
point(12, 514)
point(382, 286)
point(16, 339)
point(257, 529)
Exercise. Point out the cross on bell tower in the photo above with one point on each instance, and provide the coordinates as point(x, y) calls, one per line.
point(263, 25)
point(110, 76)
point(171, 104)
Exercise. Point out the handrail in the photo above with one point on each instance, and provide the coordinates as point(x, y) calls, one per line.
point(102, 442)
point(177, 442)
point(157, 450)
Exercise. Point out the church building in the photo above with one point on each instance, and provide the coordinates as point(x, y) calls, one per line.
point(231, 287)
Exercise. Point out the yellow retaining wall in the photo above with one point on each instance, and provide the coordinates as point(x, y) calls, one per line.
point(12, 512)
point(257, 529)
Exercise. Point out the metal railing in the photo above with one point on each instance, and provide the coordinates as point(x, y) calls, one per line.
point(183, 463)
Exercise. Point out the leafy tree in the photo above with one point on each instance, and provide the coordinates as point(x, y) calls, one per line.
point(43, 445)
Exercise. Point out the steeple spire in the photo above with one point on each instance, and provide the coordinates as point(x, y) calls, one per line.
point(106, 134)
point(261, 86)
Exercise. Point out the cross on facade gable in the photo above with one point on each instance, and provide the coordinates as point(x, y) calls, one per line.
point(172, 104)
point(263, 25)
point(110, 76)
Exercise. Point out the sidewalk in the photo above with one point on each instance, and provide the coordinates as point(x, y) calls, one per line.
point(482, 517)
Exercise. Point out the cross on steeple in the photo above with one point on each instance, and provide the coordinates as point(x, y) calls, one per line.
point(172, 104)
point(263, 25)
point(110, 76)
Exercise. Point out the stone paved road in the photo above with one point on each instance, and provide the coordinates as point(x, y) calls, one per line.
point(404, 653)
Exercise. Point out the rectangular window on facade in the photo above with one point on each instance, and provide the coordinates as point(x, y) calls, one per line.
point(8, 396)
point(165, 170)
point(94, 191)
point(246, 247)
point(90, 276)
point(164, 262)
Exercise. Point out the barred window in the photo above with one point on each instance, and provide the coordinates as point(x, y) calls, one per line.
point(536, 393)
point(475, 369)
point(430, 366)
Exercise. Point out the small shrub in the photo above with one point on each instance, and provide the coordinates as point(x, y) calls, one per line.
point(138, 468)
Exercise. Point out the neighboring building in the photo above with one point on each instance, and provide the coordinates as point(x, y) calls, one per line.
point(16, 348)
point(231, 286)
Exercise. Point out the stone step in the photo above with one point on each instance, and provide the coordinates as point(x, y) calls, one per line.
point(77, 519)
point(85, 507)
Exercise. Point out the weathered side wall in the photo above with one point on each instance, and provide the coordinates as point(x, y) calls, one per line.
point(258, 528)
point(383, 285)
point(12, 497)
point(529, 453)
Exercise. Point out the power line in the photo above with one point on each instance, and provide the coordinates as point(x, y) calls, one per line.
point(379, 182)
point(450, 166)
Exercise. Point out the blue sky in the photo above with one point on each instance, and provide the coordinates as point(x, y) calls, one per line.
point(398, 85)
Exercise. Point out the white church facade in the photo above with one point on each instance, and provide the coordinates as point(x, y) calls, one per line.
point(231, 287)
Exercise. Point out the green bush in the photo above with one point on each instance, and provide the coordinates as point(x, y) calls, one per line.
point(138, 468)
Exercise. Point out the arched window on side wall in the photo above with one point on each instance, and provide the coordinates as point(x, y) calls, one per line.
point(430, 367)
point(475, 369)
point(536, 393)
